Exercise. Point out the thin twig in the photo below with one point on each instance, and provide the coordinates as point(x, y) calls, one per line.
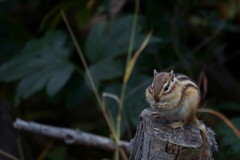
point(70, 136)
point(222, 117)
point(212, 65)
point(140, 86)
point(207, 39)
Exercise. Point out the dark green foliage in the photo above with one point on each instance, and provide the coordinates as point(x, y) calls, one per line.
point(109, 41)
point(105, 43)
point(41, 70)
point(101, 70)
point(135, 97)
point(42, 63)
point(230, 143)
point(57, 153)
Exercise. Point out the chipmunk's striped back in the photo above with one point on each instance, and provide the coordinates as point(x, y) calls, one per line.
point(186, 82)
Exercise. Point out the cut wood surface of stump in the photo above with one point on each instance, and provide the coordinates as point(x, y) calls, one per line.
point(156, 140)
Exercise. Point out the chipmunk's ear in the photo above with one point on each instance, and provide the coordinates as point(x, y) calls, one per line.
point(171, 75)
point(155, 72)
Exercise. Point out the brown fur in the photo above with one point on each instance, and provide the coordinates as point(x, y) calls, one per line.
point(159, 80)
point(180, 101)
point(183, 78)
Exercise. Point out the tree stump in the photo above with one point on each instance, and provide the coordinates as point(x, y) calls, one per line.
point(156, 140)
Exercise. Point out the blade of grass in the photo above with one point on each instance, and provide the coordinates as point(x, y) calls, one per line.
point(124, 156)
point(51, 13)
point(45, 151)
point(129, 55)
point(130, 67)
point(124, 85)
point(81, 57)
point(106, 95)
point(8, 155)
point(133, 60)
point(127, 74)
point(20, 148)
point(92, 84)
point(111, 95)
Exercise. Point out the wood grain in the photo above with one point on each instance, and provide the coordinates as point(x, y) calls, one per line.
point(156, 140)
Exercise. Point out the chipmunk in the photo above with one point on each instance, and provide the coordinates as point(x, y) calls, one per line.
point(176, 97)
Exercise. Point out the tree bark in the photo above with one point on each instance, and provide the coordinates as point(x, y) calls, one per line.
point(156, 140)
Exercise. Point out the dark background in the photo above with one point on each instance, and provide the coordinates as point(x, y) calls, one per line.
point(43, 80)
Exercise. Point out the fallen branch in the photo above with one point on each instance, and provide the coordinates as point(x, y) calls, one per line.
point(70, 136)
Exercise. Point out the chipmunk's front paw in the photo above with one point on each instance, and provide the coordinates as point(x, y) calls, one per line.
point(178, 124)
point(158, 105)
point(155, 115)
point(161, 104)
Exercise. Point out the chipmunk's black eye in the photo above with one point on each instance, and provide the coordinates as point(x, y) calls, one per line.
point(166, 87)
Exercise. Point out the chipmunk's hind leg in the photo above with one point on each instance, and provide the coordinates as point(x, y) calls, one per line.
point(178, 124)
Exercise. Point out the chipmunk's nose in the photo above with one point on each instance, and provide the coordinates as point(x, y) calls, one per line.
point(156, 99)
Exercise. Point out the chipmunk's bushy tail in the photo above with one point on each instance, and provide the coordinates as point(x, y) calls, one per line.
point(208, 137)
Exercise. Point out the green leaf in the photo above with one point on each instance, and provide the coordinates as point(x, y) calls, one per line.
point(110, 41)
point(105, 70)
point(42, 63)
point(135, 100)
point(229, 140)
point(58, 78)
point(216, 22)
point(58, 153)
point(31, 84)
